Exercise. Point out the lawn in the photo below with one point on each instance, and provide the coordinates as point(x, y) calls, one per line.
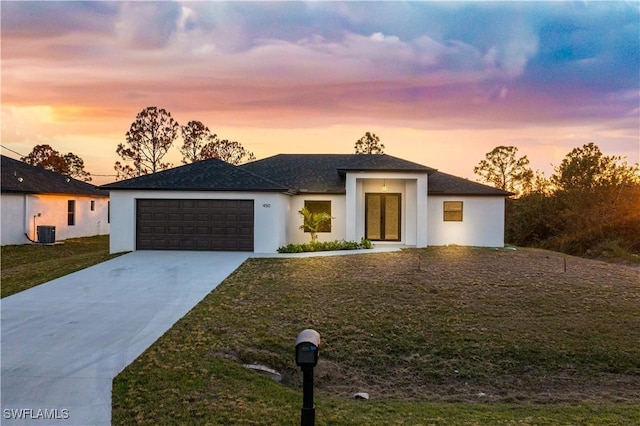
point(26, 266)
point(435, 336)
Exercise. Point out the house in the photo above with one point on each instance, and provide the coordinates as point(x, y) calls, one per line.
point(32, 197)
point(212, 205)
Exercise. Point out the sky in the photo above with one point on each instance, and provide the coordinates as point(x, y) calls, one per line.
point(441, 83)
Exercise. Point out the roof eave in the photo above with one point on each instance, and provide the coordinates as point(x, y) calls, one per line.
point(343, 171)
point(284, 190)
point(469, 194)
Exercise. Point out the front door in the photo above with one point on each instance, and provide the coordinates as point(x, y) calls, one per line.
point(382, 212)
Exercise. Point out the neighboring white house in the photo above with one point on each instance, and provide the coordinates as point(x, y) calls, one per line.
point(32, 197)
point(212, 205)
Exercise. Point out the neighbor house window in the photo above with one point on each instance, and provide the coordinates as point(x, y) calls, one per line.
point(320, 207)
point(93, 205)
point(71, 212)
point(108, 211)
point(453, 211)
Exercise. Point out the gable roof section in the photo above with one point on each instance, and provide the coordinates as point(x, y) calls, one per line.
point(382, 163)
point(20, 177)
point(444, 184)
point(206, 175)
point(303, 172)
point(324, 173)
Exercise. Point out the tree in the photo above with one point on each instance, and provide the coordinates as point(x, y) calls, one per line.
point(369, 144)
point(75, 167)
point(588, 206)
point(45, 157)
point(599, 199)
point(148, 140)
point(587, 168)
point(195, 136)
point(313, 222)
point(40, 156)
point(503, 170)
point(231, 152)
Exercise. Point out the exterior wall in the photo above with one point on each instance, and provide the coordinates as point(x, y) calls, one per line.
point(271, 211)
point(18, 211)
point(295, 235)
point(413, 190)
point(482, 222)
point(12, 216)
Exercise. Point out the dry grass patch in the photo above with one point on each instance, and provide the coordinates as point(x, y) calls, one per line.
point(415, 329)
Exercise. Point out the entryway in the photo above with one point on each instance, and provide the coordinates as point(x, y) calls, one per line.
point(383, 216)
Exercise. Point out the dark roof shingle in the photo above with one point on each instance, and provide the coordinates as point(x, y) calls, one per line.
point(324, 173)
point(303, 172)
point(383, 163)
point(444, 184)
point(313, 173)
point(206, 175)
point(19, 177)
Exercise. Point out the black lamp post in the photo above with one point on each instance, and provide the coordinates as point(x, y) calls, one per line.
point(307, 351)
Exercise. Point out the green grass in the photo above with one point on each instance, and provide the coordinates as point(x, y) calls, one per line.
point(26, 266)
point(435, 336)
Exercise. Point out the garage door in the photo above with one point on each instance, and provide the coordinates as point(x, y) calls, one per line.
point(219, 225)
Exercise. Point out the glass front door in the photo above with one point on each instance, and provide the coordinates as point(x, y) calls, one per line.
point(382, 212)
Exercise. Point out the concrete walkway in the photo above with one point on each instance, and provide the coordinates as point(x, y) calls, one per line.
point(64, 341)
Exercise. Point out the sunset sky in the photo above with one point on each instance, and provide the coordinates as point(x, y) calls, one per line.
point(441, 83)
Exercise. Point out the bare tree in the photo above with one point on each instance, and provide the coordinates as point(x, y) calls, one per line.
point(230, 151)
point(75, 167)
point(369, 144)
point(195, 136)
point(148, 140)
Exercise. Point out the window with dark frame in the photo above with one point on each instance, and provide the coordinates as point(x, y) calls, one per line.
point(452, 211)
point(93, 205)
point(108, 211)
point(71, 212)
point(320, 207)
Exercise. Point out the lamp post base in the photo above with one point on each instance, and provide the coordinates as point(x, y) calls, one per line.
point(308, 416)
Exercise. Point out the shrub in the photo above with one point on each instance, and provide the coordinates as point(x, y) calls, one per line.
point(326, 246)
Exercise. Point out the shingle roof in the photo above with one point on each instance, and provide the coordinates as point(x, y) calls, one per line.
point(324, 173)
point(306, 172)
point(444, 184)
point(313, 173)
point(19, 177)
point(206, 175)
point(383, 162)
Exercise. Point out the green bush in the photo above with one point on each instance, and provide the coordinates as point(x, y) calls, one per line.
point(326, 246)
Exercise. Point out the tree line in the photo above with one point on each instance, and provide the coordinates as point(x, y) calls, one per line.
point(153, 133)
point(590, 205)
point(149, 139)
point(45, 157)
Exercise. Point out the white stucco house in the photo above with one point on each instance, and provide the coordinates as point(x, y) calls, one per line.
point(212, 205)
point(32, 197)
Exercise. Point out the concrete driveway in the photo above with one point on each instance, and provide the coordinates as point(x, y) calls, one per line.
point(64, 341)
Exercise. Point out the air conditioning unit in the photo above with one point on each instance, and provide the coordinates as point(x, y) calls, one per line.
point(46, 234)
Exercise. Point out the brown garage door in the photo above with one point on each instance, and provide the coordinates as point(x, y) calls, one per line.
point(219, 225)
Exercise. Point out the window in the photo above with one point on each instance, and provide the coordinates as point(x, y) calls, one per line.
point(93, 205)
point(108, 211)
point(71, 212)
point(453, 211)
point(320, 207)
